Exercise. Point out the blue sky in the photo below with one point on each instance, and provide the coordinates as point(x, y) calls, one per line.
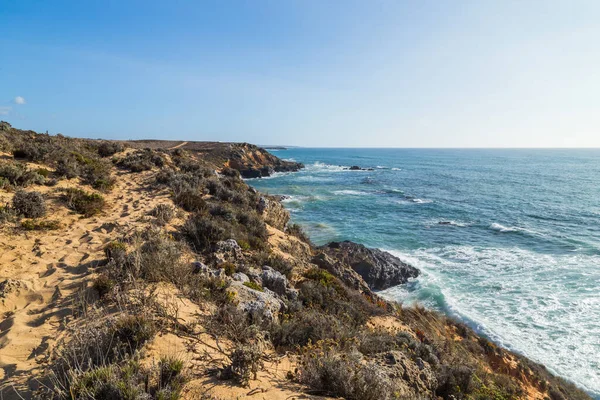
point(307, 72)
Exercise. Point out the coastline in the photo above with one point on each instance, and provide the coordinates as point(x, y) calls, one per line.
point(170, 249)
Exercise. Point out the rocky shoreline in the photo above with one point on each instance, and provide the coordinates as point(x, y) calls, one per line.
point(172, 254)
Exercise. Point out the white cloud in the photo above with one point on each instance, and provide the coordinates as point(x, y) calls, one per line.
point(20, 100)
point(5, 110)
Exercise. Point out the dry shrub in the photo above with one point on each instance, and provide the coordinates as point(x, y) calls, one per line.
point(202, 232)
point(309, 326)
point(331, 372)
point(163, 213)
point(141, 160)
point(19, 175)
point(29, 204)
point(82, 202)
point(107, 149)
point(297, 231)
point(98, 343)
point(7, 214)
point(382, 340)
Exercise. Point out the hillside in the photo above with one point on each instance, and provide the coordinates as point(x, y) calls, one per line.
point(151, 270)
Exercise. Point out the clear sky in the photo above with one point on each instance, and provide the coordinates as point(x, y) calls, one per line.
point(307, 72)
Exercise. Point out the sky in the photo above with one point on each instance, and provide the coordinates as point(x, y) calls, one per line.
point(319, 73)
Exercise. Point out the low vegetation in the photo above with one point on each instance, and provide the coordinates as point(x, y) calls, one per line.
point(82, 202)
point(330, 327)
point(29, 204)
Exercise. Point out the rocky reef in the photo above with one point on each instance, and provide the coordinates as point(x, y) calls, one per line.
point(379, 269)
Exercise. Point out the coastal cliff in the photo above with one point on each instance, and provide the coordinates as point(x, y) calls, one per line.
point(151, 270)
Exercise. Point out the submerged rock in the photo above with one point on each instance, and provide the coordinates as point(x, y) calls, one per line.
point(379, 269)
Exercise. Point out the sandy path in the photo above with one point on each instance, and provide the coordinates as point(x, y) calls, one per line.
point(178, 146)
point(44, 276)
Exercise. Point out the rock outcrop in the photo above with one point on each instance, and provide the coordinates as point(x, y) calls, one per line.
point(255, 162)
point(379, 269)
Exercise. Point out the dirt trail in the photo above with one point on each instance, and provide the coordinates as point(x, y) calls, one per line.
point(178, 146)
point(44, 276)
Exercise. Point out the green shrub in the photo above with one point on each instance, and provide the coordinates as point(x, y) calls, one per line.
point(141, 160)
point(18, 175)
point(203, 232)
point(134, 330)
point(309, 326)
point(115, 249)
point(7, 214)
point(254, 285)
point(87, 204)
point(228, 268)
point(29, 204)
point(455, 380)
point(190, 200)
point(103, 285)
point(42, 172)
point(107, 149)
point(97, 173)
point(35, 225)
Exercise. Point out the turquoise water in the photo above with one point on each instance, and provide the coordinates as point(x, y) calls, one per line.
point(507, 240)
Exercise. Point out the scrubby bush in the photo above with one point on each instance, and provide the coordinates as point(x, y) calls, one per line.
point(297, 231)
point(245, 362)
point(35, 225)
point(107, 149)
point(455, 380)
point(163, 214)
point(7, 214)
point(87, 204)
point(103, 341)
point(190, 199)
point(309, 326)
point(115, 250)
point(382, 340)
point(18, 175)
point(68, 167)
point(29, 204)
point(141, 160)
point(328, 371)
point(103, 285)
point(202, 232)
point(97, 173)
point(159, 259)
point(274, 261)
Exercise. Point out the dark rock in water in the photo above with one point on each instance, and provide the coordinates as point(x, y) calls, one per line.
point(250, 173)
point(445, 223)
point(355, 168)
point(266, 171)
point(379, 269)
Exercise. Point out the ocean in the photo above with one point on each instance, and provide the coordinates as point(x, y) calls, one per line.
point(507, 241)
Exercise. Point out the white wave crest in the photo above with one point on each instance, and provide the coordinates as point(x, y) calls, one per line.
point(350, 193)
point(452, 223)
point(543, 306)
point(421, 201)
point(501, 228)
